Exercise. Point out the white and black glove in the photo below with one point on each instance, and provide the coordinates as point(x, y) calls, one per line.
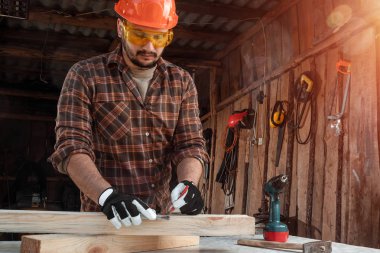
point(124, 209)
point(187, 198)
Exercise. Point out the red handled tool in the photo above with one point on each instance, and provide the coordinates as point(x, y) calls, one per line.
point(183, 193)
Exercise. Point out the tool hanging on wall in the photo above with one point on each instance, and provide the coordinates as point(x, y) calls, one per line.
point(343, 69)
point(304, 94)
point(278, 119)
point(227, 171)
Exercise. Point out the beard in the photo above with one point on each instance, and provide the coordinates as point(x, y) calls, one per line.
point(133, 56)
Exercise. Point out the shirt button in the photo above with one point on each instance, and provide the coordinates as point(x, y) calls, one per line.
point(147, 134)
point(150, 160)
point(152, 185)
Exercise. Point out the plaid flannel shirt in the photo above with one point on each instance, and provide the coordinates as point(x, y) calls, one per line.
point(134, 143)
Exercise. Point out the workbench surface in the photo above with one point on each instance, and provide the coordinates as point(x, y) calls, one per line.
point(226, 245)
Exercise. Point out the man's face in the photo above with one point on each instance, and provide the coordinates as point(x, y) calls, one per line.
point(144, 55)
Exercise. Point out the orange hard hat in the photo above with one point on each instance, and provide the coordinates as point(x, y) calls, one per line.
point(151, 13)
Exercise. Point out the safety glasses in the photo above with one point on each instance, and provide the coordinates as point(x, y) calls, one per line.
point(141, 37)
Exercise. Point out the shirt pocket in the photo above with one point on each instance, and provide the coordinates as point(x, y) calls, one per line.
point(113, 119)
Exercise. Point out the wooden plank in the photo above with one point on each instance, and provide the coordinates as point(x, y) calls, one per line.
point(302, 161)
point(322, 9)
point(241, 172)
point(31, 94)
point(305, 25)
point(364, 160)
point(331, 158)
point(257, 162)
point(16, 221)
point(248, 63)
point(234, 72)
point(217, 205)
point(259, 55)
point(376, 188)
point(226, 245)
point(67, 243)
point(312, 114)
point(268, 18)
point(213, 121)
point(274, 45)
point(290, 40)
point(10, 246)
point(320, 150)
point(224, 88)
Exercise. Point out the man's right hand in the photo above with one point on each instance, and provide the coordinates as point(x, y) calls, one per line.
point(124, 209)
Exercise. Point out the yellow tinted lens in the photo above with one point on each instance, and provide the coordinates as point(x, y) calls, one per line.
point(141, 37)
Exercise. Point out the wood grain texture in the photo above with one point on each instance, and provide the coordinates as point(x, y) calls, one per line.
point(364, 160)
point(68, 243)
point(331, 158)
point(302, 160)
point(240, 173)
point(320, 147)
point(217, 205)
point(17, 221)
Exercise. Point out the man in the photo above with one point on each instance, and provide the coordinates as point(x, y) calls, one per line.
point(127, 117)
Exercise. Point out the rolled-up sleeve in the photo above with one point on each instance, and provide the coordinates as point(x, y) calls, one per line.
point(188, 138)
point(74, 122)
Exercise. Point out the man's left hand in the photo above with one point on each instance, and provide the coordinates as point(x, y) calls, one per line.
point(187, 198)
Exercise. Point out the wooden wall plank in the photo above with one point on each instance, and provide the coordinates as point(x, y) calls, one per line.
point(364, 158)
point(290, 40)
point(281, 169)
point(305, 25)
point(234, 71)
point(217, 205)
point(303, 152)
point(331, 140)
point(66, 243)
point(260, 47)
point(18, 221)
point(224, 88)
point(321, 10)
point(376, 188)
point(241, 171)
point(213, 123)
point(274, 45)
point(257, 161)
point(248, 70)
point(321, 148)
point(290, 197)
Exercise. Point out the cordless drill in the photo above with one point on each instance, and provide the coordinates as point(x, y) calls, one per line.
point(275, 230)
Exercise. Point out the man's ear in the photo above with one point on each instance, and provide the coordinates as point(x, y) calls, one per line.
point(119, 28)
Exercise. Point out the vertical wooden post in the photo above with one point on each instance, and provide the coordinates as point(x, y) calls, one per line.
point(313, 129)
point(378, 97)
point(290, 146)
point(264, 206)
point(213, 103)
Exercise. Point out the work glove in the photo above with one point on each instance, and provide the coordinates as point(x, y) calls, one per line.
point(187, 198)
point(124, 209)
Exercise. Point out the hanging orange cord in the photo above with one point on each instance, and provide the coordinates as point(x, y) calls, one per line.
point(236, 131)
